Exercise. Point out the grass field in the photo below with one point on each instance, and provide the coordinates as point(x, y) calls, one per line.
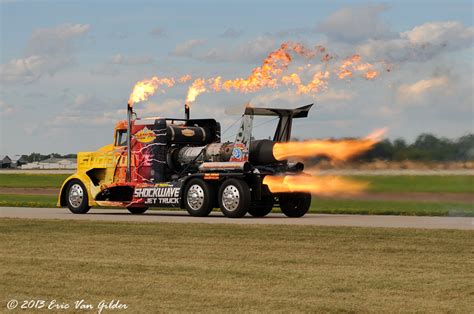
point(32, 180)
point(322, 206)
point(222, 268)
point(404, 183)
point(387, 184)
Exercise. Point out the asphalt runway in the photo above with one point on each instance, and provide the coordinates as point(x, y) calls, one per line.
point(462, 223)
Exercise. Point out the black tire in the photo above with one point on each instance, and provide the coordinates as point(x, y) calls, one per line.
point(201, 204)
point(295, 204)
point(263, 208)
point(137, 210)
point(234, 198)
point(77, 199)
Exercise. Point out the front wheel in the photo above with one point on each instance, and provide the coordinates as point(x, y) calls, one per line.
point(234, 198)
point(137, 210)
point(77, 199)
point(199, 198)
point(295, 204)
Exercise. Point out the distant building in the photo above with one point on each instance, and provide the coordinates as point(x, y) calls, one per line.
point(5, 161)
point(18, 161)
point(52, 163)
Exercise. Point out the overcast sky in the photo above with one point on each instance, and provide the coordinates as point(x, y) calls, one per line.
point(67, 67)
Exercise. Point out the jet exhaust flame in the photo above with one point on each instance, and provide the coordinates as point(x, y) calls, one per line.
point(339, 150)
point(322, 185)
point(147, 87)
point(270, 74)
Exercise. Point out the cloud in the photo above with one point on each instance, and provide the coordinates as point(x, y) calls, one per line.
point(421, 43)
point(355, 24)
point(168, 107)
point(131, 60)
point(186, 49)
point(251, 51)
point(232, 33)
point(48, 51)
point(420, 91)
point(158, 32)
point(105, 69)
point(6, 109)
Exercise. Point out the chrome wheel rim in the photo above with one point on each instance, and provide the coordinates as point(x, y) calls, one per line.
point(76, 195)
point(230, 198)
point(195, 197)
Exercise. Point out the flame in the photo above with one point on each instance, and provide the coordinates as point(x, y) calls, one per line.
point(274, 72)
point(339, 150)
point(147, 87)
point(271, 73)
point(198, 87)
point(322, 185)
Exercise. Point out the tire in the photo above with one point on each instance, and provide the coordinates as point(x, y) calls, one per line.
point(77, 199)
point(263, 208)
point(234, 198)
point(295, 204)
point(137, 210)
point(198, 198)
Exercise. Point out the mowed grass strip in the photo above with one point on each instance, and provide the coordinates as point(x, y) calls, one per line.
point(402, 183)
point(430, 184)
point(21, 180)
point(319, 206)
point(16, 200)
point(223, 268)
point(405, 208)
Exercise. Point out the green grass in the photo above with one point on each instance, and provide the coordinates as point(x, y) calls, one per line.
point(32, 180)
point(327, 206)
point(228, 268)
point(432, 184)
point(407, 208)
point(28, 200)
point(402, 183)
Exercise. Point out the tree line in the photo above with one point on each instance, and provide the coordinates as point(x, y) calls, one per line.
point(426, 147)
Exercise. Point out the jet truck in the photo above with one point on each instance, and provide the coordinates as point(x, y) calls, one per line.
point(182, 163)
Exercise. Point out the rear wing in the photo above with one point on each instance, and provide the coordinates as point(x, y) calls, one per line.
point(283, 130)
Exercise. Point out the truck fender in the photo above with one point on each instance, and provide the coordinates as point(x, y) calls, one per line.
point(85, 179)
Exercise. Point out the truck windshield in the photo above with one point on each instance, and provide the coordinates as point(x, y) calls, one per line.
point(121, 138)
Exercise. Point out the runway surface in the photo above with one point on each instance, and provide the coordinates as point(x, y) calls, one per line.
point(464, 223)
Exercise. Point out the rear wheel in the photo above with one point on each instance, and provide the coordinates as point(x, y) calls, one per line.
point(234, 198)
point(263, 208)
point(77, 199)
point(295, 204)
point(199, 198)
point(137, 210)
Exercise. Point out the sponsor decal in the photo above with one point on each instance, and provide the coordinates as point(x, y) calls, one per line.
point(187, 132)
point(239, 153)
point(158, 195)
point(211, 176)
point(145, 135)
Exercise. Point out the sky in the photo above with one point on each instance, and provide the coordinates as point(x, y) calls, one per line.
point(67, 67)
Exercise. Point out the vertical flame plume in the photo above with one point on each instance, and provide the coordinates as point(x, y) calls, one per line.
point(339, 150)
point(147, 87)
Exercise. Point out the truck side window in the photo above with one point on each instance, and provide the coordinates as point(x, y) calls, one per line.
point(121, 138)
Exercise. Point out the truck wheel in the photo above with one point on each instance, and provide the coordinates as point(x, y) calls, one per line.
point(137, 210)
point(295, 204)
point(76, 198)
point(199, 198)
point(263, 208)
point(234, 198)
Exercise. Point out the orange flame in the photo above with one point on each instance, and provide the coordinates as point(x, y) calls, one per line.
point(322, 185)
point(147, 87)
point(271, 73)
point(337, 150)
